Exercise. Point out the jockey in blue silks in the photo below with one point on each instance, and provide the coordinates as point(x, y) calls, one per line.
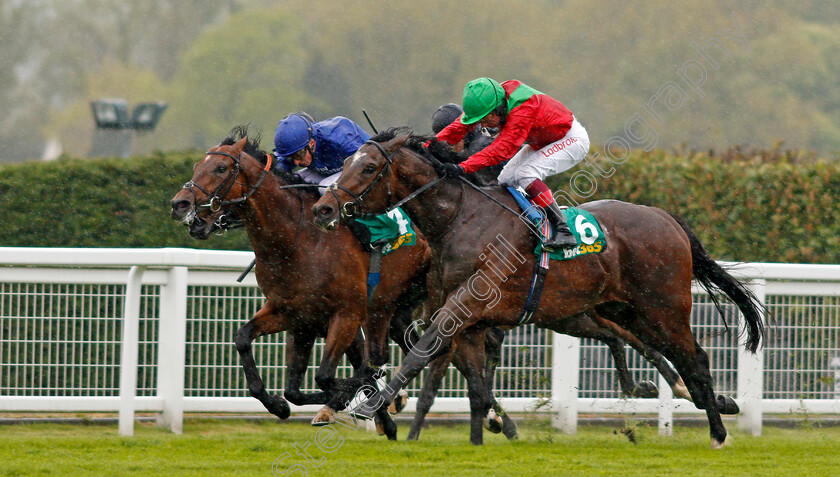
point(318, 147)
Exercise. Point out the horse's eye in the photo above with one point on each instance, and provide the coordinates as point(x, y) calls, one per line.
point(220, 169)
point(369, 169)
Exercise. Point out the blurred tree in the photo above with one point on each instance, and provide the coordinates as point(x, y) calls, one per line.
point(400, 60)
point(248, 70)
point(22, 106)
point(51, 46)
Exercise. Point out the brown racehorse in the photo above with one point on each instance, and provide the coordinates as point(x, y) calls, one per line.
point(641, 281)
point(287, 276)
point(315, 283)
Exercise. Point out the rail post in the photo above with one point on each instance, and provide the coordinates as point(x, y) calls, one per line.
point(565, 382)
point(172, 337)
point(129, 347)
point(751, 373)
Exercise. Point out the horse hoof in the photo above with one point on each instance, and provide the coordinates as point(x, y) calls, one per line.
point(717, 445)
point(645, 389)
point(726, 405)
point(493, 422)
point(278, 406)
point(325, 417)
point(680, 390)
point(399, 402)
point(380, 429)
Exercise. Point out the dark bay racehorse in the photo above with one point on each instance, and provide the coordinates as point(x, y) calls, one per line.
point(642, 281)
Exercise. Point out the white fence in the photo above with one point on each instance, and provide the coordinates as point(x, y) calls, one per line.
point(151, 330)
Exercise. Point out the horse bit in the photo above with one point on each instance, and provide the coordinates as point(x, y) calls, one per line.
point(351, 209)
point(215, 202)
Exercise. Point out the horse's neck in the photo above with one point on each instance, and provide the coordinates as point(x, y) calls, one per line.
point(276, 220)
point(436, 209)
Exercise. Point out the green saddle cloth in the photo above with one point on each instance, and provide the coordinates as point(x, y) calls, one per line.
point(392, 230)
point(587, 232)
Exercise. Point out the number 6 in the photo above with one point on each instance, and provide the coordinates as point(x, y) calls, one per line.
point(588, 233)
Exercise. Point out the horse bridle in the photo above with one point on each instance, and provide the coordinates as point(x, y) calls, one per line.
point(350, 209)
point(357, 199)
point(214, 201)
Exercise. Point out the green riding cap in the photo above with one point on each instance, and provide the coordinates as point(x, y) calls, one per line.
point(481, 96)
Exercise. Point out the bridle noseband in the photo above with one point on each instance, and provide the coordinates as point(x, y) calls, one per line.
point(214, 200)
point(352, 209)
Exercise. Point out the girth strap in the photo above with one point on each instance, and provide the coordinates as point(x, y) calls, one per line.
point(535, 293)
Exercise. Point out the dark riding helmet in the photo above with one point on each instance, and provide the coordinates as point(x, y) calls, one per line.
point(444, 116)
point(293, 134)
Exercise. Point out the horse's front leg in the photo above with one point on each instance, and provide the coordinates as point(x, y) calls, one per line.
point(435, 341)
point(298, 351)
point(265, 322)
point(470, 360)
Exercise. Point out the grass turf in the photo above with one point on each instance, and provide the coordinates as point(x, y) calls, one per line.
point(232, 447)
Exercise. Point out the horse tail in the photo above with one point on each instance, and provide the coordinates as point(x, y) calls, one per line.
point(715, 279)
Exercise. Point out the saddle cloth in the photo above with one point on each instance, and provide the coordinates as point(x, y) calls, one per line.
point(584, 226)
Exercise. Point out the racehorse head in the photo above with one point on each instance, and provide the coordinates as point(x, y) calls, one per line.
point(222, 181)
point(373, 179)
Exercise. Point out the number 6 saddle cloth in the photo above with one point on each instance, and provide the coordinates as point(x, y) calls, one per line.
point(584, 226)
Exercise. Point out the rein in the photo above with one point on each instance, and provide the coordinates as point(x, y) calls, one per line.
point(349, 209)
point(479, 189)
point(215, 202)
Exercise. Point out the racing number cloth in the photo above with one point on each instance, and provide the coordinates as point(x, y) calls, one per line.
point(392, 229)
point(587, 232)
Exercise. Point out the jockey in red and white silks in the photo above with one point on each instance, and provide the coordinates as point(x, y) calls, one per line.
point(559, 156)
point(539, 135)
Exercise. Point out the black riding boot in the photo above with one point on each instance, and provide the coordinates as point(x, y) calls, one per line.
point(562, 237)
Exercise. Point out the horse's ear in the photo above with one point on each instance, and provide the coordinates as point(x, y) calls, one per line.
point(239, 145)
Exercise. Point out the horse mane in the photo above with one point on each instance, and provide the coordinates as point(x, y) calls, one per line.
point(440, 151)
point(416, 142)
point(252, 148)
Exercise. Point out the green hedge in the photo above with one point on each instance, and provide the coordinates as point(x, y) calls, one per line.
point(100, 203)
point(751, 207)
point(757, 206)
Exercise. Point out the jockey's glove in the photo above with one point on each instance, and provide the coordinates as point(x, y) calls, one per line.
point(451, 170)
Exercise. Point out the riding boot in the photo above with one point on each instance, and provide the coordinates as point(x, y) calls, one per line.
point(561, 237)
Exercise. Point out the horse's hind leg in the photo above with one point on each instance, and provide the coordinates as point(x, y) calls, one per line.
point(654, 357)
point(469, 359)
point(590, 325)
point(666, 329)
point(431, 384)
point(264, 322)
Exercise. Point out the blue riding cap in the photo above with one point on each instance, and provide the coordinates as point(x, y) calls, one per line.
point(293, 134)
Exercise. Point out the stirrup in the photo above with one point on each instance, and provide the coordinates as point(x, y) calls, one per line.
point(555, 244)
